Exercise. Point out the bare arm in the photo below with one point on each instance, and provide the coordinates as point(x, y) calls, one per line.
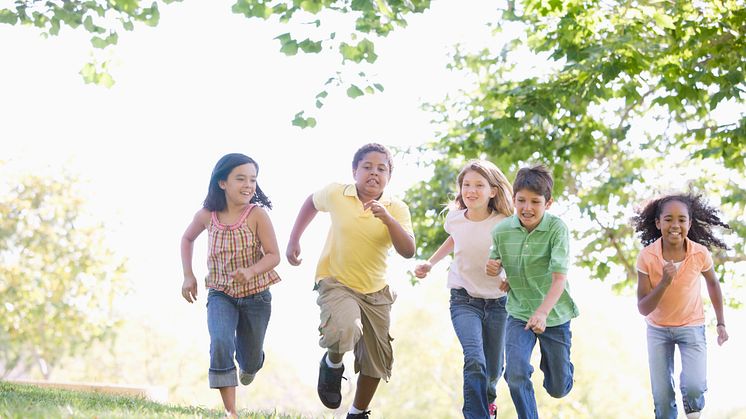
point(649, 297)
point(306, 214)
point(716, 297)
point(264, 230)
point(538, 321)
point(444, 250)
point(403, 241)
point(195, 228)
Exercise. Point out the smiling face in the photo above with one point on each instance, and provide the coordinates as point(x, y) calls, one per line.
point(476, 191)
point(530, 207)
point(240, 185)
point(371, 175)
point(674, 223)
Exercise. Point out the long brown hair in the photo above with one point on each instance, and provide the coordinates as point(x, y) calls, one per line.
point(502, 202)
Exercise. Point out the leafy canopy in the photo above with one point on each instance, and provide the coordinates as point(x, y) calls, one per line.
point(636, 99)
point(104, 20)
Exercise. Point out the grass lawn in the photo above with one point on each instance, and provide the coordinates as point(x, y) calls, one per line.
point(27, 401)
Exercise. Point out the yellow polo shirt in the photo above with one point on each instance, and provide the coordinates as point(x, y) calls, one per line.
point(358, 243)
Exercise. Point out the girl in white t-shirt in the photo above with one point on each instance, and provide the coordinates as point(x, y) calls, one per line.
point(477, 301)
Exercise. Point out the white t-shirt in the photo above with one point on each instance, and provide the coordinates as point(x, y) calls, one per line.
point(471, 248)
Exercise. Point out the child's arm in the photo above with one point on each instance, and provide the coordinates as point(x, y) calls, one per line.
point(444, 250)
point(306, 214)
point(401, 239)
point(716, 297)
point(266, 233)
point(538, 321)
point(649, 297)
point(195, 228)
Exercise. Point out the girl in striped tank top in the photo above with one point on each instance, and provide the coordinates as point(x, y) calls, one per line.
point(242, 255)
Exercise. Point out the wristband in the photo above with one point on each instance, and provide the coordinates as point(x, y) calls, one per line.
point(721, 324)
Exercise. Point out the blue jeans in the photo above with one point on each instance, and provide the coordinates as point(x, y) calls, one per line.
point(693, 349)
point(237, 326)
point(555, 363)
point(480, 326)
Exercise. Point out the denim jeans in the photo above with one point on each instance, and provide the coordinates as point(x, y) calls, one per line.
point(693, 381)
point(237, 326)
point(554, 345)
point(480, 326)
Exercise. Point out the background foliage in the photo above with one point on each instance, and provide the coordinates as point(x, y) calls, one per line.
point(637, 97)
point(59, 279)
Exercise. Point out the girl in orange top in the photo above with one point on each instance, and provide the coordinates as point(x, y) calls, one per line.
point(676, 231)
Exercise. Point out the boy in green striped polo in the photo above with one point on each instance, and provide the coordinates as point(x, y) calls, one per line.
point(533, 248)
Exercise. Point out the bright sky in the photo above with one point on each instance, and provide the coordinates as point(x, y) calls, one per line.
point(204, 83)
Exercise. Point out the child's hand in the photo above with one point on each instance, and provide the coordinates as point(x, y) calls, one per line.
point(537, 322)
point(242, 275)
point(722, 335)
point(189, 289)
point(493, 267)
point(422, 270)
point(378, 210)
point(669, 272)
point(504, 285)
point(292, 253)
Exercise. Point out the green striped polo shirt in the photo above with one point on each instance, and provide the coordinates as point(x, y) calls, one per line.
point(529, 260)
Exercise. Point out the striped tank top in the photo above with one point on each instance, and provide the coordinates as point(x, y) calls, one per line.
point(231, 247)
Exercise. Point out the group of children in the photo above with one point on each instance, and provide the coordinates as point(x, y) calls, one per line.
point(507, 279)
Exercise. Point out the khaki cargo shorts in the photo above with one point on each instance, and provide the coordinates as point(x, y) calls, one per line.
point(347, 316)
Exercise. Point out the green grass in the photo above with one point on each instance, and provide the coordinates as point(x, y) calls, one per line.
point(28, 401)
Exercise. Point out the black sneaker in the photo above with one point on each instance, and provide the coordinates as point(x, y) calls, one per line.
point(364, 415)
point(330, 383)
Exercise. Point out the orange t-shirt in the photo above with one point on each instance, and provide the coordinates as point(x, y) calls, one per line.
point(681, 304)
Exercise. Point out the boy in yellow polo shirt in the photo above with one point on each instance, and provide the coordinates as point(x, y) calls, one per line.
point(354, 298)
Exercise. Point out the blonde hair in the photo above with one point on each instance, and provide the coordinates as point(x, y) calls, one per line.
point(502, 202)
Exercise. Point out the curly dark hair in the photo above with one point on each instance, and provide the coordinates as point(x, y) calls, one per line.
point(703, 217)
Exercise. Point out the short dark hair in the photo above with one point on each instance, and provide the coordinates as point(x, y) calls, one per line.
point(536, 179)
point(215, 200)
point(367, 148)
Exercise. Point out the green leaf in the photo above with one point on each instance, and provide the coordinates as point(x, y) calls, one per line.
point(289, 48)
point(311, 6)
point(300, 121)
point(309, 46)
point(8, 16)
point(663, 20)
point(378, 86)
point(104, 42)
point(354, 91)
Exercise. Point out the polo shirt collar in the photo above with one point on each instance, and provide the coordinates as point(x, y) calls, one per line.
point(351, 190)
point(543, 224)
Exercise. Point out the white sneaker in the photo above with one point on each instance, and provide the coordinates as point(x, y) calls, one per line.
point(693, 415)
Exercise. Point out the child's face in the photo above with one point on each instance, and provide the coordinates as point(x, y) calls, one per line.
point(674, 223)
point(530, 207)
point(372, 174)
point(240, 185)
point(476, 191)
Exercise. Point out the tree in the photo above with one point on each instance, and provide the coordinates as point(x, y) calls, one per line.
point(634, 97)
point(102, 19)
point(59, 279)
point(327, 28)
